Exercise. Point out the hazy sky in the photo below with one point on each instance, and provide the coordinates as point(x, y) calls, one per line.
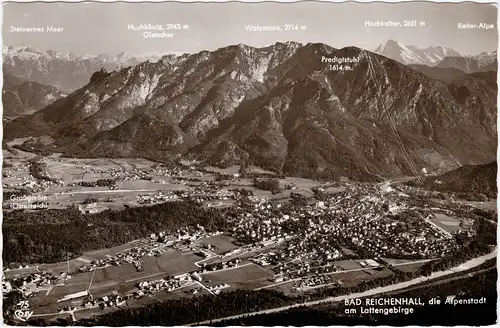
point(96, 28)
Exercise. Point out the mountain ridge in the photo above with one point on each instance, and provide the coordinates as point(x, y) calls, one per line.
point(438, 56)
point(66, 72)
point(278, 107)
point(483, 62)
point(21, 97)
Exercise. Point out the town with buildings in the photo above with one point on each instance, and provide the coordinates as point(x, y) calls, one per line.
point(301, 236)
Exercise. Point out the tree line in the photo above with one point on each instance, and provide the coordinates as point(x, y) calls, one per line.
point(483, 285)
point(50, 235)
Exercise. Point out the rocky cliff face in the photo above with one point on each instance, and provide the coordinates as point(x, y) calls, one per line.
point(281, 107)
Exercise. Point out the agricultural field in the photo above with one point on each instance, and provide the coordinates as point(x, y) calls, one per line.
point(104, 253)
point(105, 281)
point(376, 274)
point(410, 267)
point(348, 265)
point(173, 263)
point(228, 170)
point(57, 268)
point(128, 182)
point(353, 278)
point(187, 291)
point(246, 276)
point(301, 184)
point(243, 273)
point(135, 303)
point(221, 243)
point(447, 223)
point(73, 171)
point(16, 273)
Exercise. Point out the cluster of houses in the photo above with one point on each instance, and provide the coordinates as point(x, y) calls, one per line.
point(158, 197)
point(158, 285)
point(366, 219)
point(177, 171)
point(89, 302)
point(93, 170)
point(154, 245)
point(220, 265)
point(29, 183)
point(255, 229)
point(200, 193)
point(313, 282)
point(133, 255)
point(216, 289)
point(291, 270)
point(101, 302)
point(40, 279)
point(109, 301)
point(31, 283)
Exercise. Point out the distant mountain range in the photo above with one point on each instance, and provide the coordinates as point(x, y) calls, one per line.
point(20, 97)
point(279, 107)
point(66, 72)
point(484, 62)
point(438, 56)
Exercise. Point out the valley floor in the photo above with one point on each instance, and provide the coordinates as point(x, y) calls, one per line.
point(300, 238)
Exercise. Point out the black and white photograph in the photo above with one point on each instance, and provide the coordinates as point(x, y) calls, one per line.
point(249, 164)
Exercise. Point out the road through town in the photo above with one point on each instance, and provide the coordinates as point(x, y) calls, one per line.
point(381, 290)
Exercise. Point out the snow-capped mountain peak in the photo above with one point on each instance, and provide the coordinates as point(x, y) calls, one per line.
point(485, 58)
point(430, 56)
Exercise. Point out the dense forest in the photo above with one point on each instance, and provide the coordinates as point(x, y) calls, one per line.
point(185, 311)
point(472, 182)
point(267, 184)
point(53, 235)
point(37, 169)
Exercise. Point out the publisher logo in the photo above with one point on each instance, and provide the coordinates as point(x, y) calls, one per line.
point(23, 313)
